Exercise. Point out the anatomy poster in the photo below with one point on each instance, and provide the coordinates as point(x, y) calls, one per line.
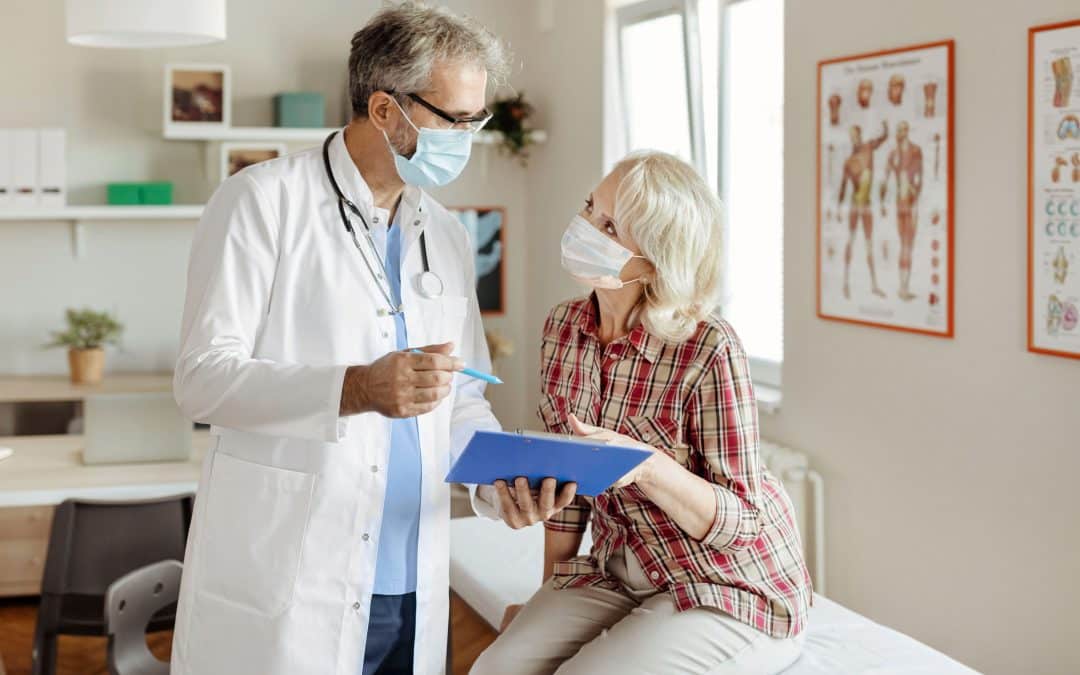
point(885, 211)
point(486, 225)
point(1054, 189)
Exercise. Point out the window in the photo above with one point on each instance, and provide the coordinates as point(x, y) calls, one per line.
point(723, 111)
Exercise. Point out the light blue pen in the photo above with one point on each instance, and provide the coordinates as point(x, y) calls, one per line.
point(470, 372)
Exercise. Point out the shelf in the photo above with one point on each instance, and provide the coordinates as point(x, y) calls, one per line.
point(281, 134)
point(292, 135)
point(36, 388)
point(493, 137)
point(105, 213)
point(77, 216)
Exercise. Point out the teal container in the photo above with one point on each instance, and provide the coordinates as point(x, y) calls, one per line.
point(157, 193)
point(300, 109)
point(123, 194)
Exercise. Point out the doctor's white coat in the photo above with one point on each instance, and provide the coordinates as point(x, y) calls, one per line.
point(281, 557)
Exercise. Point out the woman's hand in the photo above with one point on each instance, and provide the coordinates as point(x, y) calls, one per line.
point(508, 616)
point(607, 437)
point(521, 507)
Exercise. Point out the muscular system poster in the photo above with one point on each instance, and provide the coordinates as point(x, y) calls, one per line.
point(1054, 189)
point(884, 180)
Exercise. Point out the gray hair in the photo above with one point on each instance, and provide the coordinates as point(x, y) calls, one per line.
point(397, 48)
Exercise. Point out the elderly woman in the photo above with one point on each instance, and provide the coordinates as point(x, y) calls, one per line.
point(696, 563)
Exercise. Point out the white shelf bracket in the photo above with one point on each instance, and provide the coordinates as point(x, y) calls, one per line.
point(78, 238)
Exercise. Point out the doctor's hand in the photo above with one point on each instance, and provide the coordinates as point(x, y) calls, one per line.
point(401, 384)
point(521, 507)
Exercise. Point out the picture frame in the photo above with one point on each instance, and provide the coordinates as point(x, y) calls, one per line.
point(236, 156)
point(197, 96)
point(487, 232)
point(885, 246)
point(1053, 190)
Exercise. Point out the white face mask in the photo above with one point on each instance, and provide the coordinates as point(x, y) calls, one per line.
point(592, 258)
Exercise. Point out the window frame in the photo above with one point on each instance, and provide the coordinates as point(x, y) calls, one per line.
point(766, 372)
point(647, 10)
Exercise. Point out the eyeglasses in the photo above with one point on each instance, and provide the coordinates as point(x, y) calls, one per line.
point(472, 124)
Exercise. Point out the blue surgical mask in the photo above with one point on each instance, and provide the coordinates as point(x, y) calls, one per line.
point(440, 157)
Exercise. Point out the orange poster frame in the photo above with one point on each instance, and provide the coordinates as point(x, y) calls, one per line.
point(501, 310)
point(950, 46)
point(1032, 32)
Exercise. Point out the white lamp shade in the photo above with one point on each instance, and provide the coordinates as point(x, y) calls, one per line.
point(145, 23)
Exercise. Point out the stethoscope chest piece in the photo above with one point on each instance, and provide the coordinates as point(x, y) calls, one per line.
point(429, 285)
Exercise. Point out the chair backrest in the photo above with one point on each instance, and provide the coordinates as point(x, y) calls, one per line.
point(130, 602)
point(93, 543)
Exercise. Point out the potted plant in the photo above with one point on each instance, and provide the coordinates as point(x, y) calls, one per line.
point(509, 118)
point(86, 336)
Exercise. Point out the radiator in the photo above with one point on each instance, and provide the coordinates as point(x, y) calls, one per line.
point(807, 492)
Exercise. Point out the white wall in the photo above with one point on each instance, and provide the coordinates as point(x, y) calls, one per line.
point(563, 74)
point(951, 465)
point(110, 101)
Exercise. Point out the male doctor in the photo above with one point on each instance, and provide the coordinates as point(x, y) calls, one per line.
point(319, 541)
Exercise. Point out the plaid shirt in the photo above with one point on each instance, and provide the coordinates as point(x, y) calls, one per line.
point(694, 401)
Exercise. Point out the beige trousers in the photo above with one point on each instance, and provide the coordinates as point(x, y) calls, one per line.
point(635, 630)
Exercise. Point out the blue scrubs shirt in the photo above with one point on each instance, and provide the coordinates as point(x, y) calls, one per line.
point(395, 569)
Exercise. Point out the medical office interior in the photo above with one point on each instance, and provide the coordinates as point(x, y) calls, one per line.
point(914, 352)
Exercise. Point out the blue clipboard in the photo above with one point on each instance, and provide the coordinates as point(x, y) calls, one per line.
point(500, 455)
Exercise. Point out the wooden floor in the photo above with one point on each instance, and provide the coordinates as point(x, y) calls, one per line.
point(470, 635)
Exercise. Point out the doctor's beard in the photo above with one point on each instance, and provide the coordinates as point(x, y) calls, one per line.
point(403, 139)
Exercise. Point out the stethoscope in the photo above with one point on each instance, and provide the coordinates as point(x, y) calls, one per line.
point(428, 284)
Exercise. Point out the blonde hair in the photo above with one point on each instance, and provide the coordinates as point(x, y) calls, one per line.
point(675, 218)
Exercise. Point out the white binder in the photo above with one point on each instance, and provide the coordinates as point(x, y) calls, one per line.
point(24, 167)
point(52, 168)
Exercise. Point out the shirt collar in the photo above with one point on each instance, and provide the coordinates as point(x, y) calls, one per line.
point(647, 344)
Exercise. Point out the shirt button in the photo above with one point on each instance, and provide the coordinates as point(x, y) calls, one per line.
point(374, 469)
point(415, 223)
point(654, 575)
point(385, 334)
point(375, 219)
point(366, 536)
point(356, 606)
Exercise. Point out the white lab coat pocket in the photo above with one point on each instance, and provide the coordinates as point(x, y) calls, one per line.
point(253, 533)
point(444, 319)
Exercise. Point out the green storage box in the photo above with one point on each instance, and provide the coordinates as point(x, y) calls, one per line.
point(123, 194)
point(155, 193)
point(133, 194)
point(300, 109)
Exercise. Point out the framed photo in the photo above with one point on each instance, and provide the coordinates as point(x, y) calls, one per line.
point(197, 95)
point(238, 156)
point(486, 225)
point(885, 189)
point(1053, 284)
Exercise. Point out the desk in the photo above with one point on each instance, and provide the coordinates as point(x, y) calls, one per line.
point(31, 388)
point(45, 471)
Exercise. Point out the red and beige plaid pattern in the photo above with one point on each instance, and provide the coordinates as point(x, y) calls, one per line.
point(695, 402)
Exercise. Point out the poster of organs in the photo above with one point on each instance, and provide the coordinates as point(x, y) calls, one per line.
point(1054, 190)
point(885, 189)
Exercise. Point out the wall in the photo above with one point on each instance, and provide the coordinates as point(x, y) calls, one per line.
point(950, 465)
point(563, 74)
point(110, 101)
